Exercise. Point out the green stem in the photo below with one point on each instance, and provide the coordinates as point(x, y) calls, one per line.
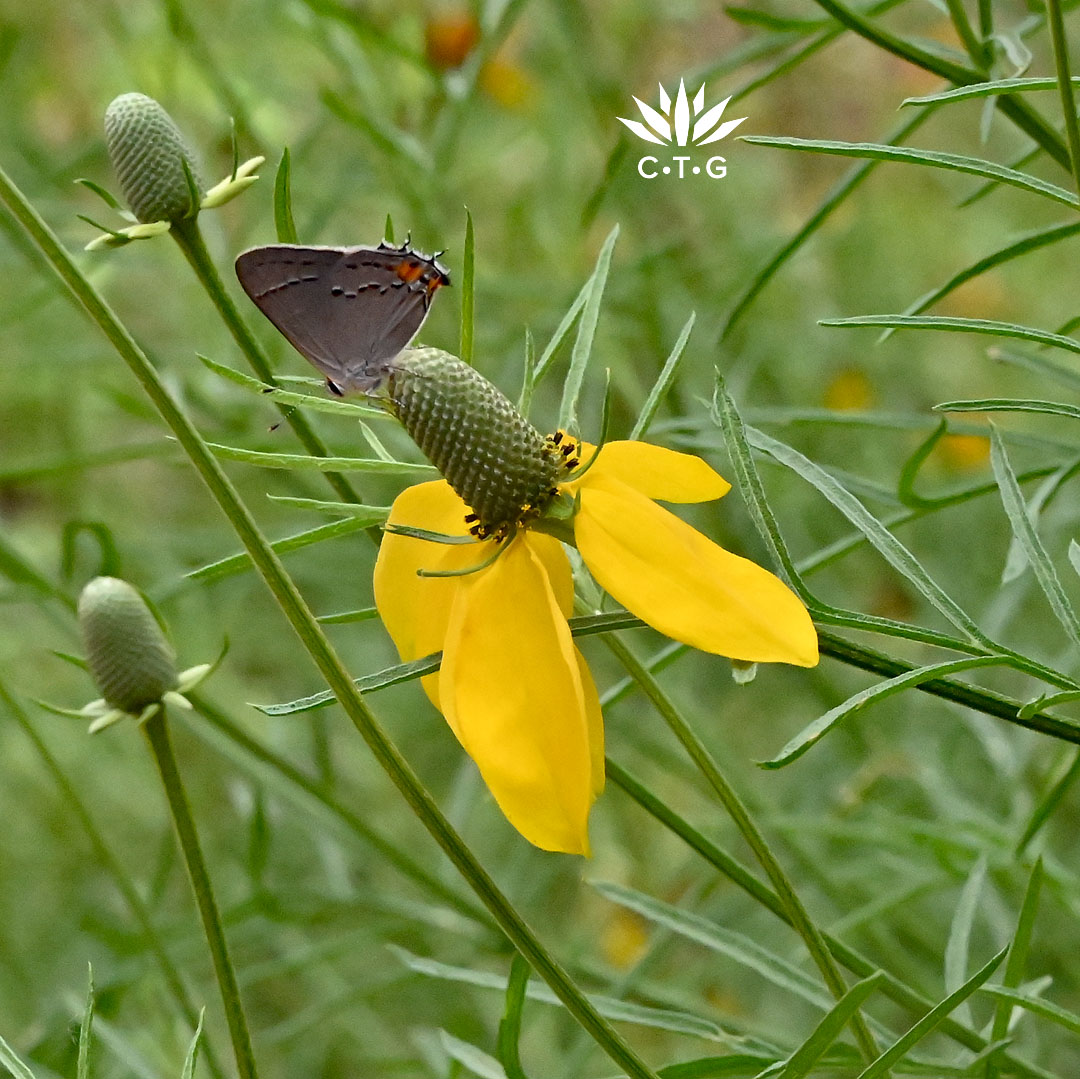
point(105, 858)
point(1017, 110)
point(739, 875)
point(314, 640)
point(1061, 63)
point(797, 915)
point(189, 239)
point(972, 46)
point(157, 735)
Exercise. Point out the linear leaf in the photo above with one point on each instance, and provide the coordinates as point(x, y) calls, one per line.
point(371, 514)
point(959, 325)
point(1027, 243)
point(811, 734)
point(590, 314)
point(890, 548)
point(985, 89)
point(303, 463)
point(663, 383)
point(719, 939)
point(929, 1022)
point(975, 166)
point(830, 1028)
point(299, 400)
point(284, 224)
point(1017, 961)
point(1037, 1006)
point(1024, 531)
point(1010, 404)
point(238, 563)
point(637, 1014)
point(958, 945)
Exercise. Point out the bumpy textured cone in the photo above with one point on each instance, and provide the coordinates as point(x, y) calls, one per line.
point(487, 451)
point(129, 658)
point(147, 151)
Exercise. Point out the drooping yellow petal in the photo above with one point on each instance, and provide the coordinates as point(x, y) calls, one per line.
point(415, 610)
point(594, 720)
point(684, 585)
point(512, 692)
point(654, 471)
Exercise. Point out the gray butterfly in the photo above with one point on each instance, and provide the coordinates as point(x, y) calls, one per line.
point(349, 310)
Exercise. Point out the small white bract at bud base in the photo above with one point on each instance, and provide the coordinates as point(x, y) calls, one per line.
point(128, 655)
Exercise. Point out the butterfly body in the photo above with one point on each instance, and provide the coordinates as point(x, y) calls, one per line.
point(348, 310)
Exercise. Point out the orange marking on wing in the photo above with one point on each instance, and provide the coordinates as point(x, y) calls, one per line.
point(409, 271)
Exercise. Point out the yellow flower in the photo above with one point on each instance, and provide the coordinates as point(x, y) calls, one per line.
point(513, 687)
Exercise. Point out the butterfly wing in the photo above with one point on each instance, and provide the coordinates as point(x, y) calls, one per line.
point(348, 310)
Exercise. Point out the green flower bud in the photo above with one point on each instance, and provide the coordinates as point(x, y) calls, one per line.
point(148, 153)
point(130, 660)
point(500, 465)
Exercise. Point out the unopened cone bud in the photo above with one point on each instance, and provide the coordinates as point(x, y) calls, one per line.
point(487, 451)
point(148, 153)
point(129, 657)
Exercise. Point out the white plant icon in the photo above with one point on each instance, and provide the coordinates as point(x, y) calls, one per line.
point(672, 124)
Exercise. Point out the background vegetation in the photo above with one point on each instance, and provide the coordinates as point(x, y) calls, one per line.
point(910, 832)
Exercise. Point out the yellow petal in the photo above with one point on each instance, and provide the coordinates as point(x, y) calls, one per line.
point(512, 692)
point(594, 720)
point(415, 610)
point(684, 585)
point(654, 471)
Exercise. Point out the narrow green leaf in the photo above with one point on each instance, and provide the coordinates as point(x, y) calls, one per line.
point(303, 463)
point(811, 734)
point(929, 1022)
point(510, 1024)
point(363, 614)
point(668, 1019)
point(1017, 961)
point(562, 331)
point(1050, 801)
point(353, 409)
point(528, 379)
point(371, 515)
point(468, 272)
point(370, 683)
point(830, 1028)
point(1010, 404)
point(1024, 531)
point(1031, 241)
point(188, 1071)
point(1037, 1006)
point(82, 1065)
point(12, 1062)
point(975, 166)
point(239, 563)
point(731, 1066)
point(748, 953)
point(102, 193)
point(958, 325)
point(663, 383)
point(388, 229)
point(283, 215)
point(474, 1060)
point(590, 315)
point(984, 89)
point(958, 945)
point(883, 541)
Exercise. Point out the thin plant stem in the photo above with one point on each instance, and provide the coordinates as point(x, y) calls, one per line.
point(960, 22)
point(796, 913)
point(316, 643)
point(1056, 20)
point(156, 730)
point(104, 857)
point(189, 239)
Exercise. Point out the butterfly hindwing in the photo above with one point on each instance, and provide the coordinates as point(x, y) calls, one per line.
point(348, 310)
